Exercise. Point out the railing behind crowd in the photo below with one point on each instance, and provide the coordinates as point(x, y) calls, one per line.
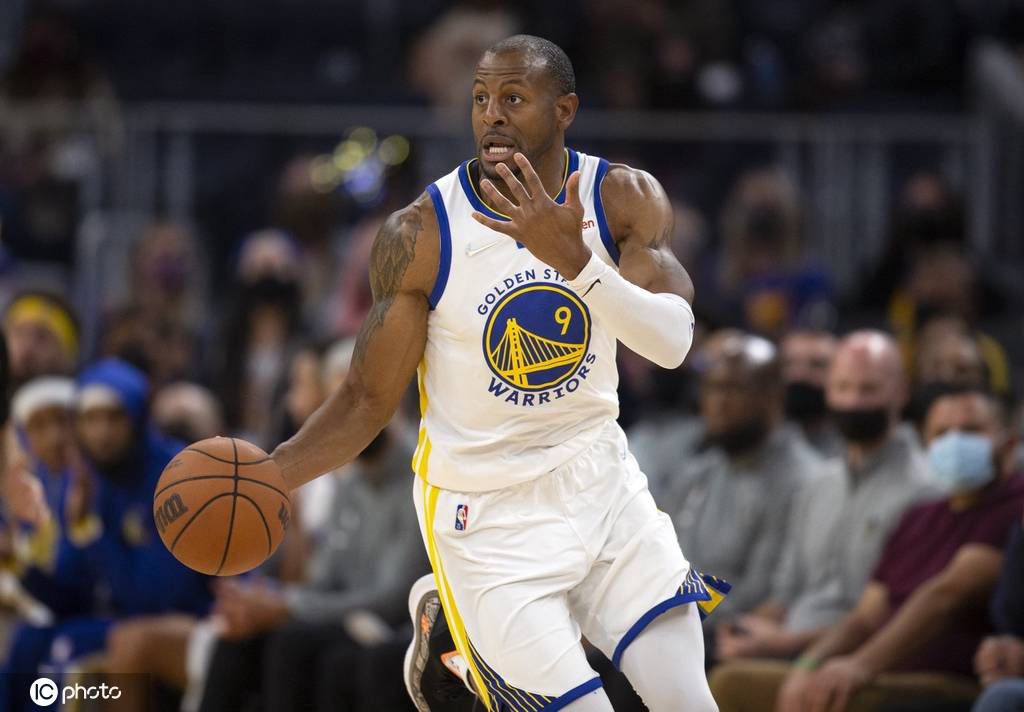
point(181, 160)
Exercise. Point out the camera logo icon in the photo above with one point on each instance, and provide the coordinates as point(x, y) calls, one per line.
point(44, 692)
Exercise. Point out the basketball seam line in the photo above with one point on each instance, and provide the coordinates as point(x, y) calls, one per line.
point(199, 511)
point(234, 505)
point(225, 460)
point(243, 478)
point(266, 526)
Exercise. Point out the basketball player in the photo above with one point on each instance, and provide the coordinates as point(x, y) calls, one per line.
point(505, 287)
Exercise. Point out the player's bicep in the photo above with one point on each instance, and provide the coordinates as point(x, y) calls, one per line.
point(389, 347)
point(643, 222)
point(403, 266)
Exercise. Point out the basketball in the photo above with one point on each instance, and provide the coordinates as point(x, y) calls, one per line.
point(221, 506)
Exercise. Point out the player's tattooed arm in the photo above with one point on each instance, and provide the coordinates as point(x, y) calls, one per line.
point(403, 266)
point(641, 221)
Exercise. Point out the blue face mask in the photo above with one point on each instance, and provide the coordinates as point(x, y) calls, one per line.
point(962, 461)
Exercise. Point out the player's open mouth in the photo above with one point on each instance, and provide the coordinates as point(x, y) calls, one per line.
point(497, 150)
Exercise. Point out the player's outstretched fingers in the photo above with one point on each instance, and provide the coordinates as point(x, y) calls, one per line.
point(499, 201)
point(517, 188)
point(533, 181)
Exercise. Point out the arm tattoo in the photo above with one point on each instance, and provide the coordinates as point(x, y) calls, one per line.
point(393, 251)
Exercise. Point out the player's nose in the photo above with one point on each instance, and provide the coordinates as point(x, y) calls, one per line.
point(493, 114)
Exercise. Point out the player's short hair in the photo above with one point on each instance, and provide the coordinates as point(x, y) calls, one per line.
point(556, 61)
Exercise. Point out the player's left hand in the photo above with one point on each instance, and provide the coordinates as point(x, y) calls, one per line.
point(832, 686)
point(552, 232)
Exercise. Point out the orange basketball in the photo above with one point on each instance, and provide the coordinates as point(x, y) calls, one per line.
point(221, 506)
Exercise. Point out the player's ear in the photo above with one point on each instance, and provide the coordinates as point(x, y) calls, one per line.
point(565, 109)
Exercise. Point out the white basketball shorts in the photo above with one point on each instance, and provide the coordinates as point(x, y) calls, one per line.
point(523, 571)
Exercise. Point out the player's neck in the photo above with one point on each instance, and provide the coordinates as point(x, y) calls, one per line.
point(550, 167)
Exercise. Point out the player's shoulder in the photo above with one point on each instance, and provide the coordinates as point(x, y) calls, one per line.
point(407, 247)
point(632, 195)
point(626, 183)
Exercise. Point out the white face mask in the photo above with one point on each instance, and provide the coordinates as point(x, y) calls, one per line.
point(962, 461)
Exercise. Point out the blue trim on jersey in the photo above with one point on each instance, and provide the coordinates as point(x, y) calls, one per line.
point(572, 695)
point(481, 207)
point(445, 263)
point(693, 589)
point(602, 221)
point(474, 200)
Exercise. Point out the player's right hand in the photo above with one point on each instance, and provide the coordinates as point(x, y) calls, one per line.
point(23, 494)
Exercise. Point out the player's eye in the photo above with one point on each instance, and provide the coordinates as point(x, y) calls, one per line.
point(480, 99)
point(515, 99)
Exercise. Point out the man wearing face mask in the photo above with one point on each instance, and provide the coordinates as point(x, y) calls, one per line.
point(748, 475)
point(839, 525)
point(925, 608)
point(806, 357)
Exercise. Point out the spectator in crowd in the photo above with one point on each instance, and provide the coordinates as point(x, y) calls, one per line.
point(763, 278)
point(187, 412)
point(152, 600)
point(669, 430)
point(42, 336)
point(314, 639)
point(926, 212)
point(260, 330)
point(924, 608)
point(43, 581)
point(163, 350)
point(806, 357)
point(166, 284)
point(839, 524)
point(748, 476)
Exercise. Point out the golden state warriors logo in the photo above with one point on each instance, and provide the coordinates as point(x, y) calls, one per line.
point(537, 336)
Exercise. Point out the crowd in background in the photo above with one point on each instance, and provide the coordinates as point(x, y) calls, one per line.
point(846, 458)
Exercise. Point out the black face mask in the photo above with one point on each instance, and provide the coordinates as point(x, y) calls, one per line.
point(740, 439)
point(862, 425)
point(271, 291)
point(805, 402)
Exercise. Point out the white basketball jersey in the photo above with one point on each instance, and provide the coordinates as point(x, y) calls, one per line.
point(517, 376)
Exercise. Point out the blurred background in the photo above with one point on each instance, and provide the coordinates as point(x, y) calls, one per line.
point(193, 187)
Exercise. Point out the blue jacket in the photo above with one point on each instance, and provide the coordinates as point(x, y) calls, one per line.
point(137, 575)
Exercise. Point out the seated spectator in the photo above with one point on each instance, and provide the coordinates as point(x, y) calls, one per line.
point(260, 328)
point(335, 641)
point(152, 601)
point(142, 603)
point(37, 492)
point(187, 411)
point(44, 582)
point(165, 278)
point(764, 281)
point(840, 524)
point(669, 430)
point(747, 477)
point(42, 336)
point(924, 609)
point(806, 357)
point(948, 353)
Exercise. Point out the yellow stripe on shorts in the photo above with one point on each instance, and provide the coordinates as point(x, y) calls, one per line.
point(451, 613)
